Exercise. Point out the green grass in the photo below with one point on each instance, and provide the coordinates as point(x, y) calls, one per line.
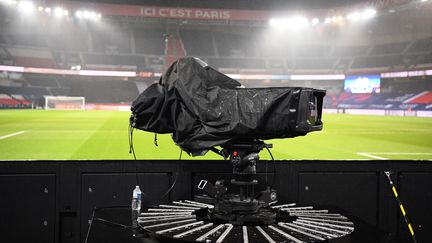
point(64, 135)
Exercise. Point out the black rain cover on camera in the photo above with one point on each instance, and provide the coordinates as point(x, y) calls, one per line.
point(203, 108)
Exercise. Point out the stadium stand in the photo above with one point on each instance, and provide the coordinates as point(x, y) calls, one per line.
point(136, 44)
point(144, 45)
point(411, 101)
point(13, 101)
point(198, 42)
point(149, 41)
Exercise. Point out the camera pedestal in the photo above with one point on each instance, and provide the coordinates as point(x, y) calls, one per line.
point(244, 208)
point(222, 217)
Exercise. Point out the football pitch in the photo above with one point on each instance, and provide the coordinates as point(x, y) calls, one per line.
point(103, 135)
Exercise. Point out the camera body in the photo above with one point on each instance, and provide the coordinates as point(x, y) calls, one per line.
point(203, 108)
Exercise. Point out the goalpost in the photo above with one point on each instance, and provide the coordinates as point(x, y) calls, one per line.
point(64, 103)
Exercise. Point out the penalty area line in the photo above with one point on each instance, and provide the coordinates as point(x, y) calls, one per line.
point(371, 156)
point(11, 135)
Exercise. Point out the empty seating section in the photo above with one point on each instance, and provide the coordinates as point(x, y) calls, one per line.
point(95, 90)
point(271, 49)
point(28, 40)
point(198, 42)
point(314, 63)
point(2, 40)
point(422, 45)
point(34, 62)
point(7, 100)
point(134, 46)
point(425, 59)
point(377, 61)
point(41, 81)
point(21, 99)
point(422, 98)
point(231, 49)
point(115, 60)
point(238, 63)
point(111, 41)
point(393, 48)
point(149, 41)
point(350, 50)
point(235, 45)
point(312, 51)
point(401, 86)
point(13, 101)
point(103, 91)
point(69, 41)
point(391, 101)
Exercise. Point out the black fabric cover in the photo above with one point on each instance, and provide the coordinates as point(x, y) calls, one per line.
point(203, 108)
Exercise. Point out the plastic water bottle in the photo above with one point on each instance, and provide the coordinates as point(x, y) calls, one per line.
point(136, 199)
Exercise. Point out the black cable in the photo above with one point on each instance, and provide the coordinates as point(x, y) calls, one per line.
point(132, 150)
point(155, 140)
point(131, 146)
point(266, 172)
point(274, 165)
point(175, 180)
point(172, 186)
point(113, 223)
point(90, 226)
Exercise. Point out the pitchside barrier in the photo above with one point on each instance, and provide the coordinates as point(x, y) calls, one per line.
point(53, 201)
point(107, 107)
point(379, 112)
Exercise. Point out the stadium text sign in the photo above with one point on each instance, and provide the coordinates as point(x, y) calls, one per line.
point(202, 13)
point(185, 13)
point(107, 9)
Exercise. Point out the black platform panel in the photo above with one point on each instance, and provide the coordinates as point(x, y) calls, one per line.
point(27, 205)
point(416, 195)
point(355, 193)
point(213, 177)
point(102, 190)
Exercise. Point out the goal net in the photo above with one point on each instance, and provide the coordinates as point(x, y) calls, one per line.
point(64, 102)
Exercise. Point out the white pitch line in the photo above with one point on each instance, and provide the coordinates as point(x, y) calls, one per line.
point(11, 135)
point(398, 153)
point(371, 156)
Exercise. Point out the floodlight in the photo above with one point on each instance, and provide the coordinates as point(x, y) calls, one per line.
point(11, 2)
point(93, 15)
point(99, 15)
point(337, 19)
point(86, 14)
point(298, 22)
point(79, 14)
point(40, 8)
point(278, 22)
point(327, 20)
point(354, 16)
point(26, 6)
point(65, 12)
point(48, 10)
point(315, 21)
point(368, 13)
point(58, 12)
point(295, 22)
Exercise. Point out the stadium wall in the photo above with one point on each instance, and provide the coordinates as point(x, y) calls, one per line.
point(52, 201)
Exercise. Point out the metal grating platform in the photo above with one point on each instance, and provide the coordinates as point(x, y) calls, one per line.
point(306, 224)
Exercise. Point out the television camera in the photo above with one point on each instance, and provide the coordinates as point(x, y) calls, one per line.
point(205, 110)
